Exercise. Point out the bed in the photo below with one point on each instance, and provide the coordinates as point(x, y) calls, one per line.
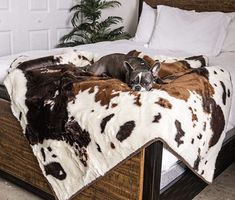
point(140, 177)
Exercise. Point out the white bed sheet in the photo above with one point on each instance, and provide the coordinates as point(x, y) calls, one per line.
point(169, 164)
point(101, 48)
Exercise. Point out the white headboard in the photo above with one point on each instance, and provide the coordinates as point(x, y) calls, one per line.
point(32, 24)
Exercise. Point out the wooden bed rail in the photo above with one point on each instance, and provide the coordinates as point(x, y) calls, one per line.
point(198, 5)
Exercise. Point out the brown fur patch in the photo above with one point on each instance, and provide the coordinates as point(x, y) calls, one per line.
point(56, 170)
point(107, 89)
point(114, 105)
point(105, 121)
point(194, 116)
point(164, 103)
point(157, 118)
point(167, 69)
point(224, 92)
point(197, 161)
point(193, 81)
point(98, 147)
point(217, 123)
point(204, 126)
point(112, 145)
point(180, 133)
point(125, 130)
point(199, 136)
point(137, 99)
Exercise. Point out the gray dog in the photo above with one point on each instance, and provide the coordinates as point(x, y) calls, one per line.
point(134, 71)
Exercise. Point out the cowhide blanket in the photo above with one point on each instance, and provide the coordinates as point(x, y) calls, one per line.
point(80, 126)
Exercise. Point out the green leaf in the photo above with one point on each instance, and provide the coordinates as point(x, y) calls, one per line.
point(109, 4)
point(87, 27)
point(75, 8)
point(67, 36)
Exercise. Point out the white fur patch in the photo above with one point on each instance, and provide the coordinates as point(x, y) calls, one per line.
point(151, 121)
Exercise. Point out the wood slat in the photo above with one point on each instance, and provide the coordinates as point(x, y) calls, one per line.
point(198, 5)
point(16, 158)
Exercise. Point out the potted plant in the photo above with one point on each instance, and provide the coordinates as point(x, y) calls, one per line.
point(87, 26)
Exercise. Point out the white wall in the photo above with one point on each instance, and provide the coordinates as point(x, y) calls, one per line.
point(31, 24)
point(128, 11)
point(38, 24)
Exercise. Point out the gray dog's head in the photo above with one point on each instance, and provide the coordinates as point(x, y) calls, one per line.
point(140, 73)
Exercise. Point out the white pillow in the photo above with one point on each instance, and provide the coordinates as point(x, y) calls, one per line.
point(229, 42)
point(146, 24)
point(189, 31)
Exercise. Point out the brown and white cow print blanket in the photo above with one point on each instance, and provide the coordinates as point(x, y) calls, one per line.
point(80, 126)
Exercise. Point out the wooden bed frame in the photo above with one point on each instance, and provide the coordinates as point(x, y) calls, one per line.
point(136, 178)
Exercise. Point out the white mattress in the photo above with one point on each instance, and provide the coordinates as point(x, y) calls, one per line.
point(170, 167)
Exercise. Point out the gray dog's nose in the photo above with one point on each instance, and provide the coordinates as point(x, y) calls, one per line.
point(137, 88)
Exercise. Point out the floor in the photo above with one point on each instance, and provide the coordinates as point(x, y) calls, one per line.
point(223, 188)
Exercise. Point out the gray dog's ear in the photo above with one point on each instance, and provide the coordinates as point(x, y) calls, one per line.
point(155, 68)
point(128, 66)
